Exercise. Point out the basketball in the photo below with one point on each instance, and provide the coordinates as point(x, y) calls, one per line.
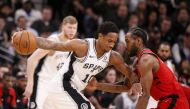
point(24, 42)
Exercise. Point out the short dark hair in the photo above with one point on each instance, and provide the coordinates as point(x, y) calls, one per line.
point(47, 7)
point(164, 43)
point(107, 27)
point(139, 33)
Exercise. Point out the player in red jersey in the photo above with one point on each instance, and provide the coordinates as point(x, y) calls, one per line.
point(186, 90)
point(156, 78)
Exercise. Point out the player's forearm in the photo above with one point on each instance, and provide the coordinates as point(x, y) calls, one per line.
point(127, 71)
point(46, 44)
point(133, 78)
point(31, 65)
point(142, 102)
point(112, 88)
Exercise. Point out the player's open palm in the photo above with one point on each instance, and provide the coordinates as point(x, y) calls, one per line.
point(28, 91)
point(136, 89)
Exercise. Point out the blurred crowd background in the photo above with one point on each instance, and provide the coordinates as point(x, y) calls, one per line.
point(167, 23)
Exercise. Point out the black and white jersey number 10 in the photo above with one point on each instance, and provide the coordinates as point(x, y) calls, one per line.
point(60, 65)
point(87, 78)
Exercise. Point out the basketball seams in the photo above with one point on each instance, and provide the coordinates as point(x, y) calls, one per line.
point(20, 42)
point(23, 44)
point(15, 44)
point(28, 42)
point(13, 38)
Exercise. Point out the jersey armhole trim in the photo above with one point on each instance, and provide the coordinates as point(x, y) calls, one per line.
point(85, 57)
point(153, 54)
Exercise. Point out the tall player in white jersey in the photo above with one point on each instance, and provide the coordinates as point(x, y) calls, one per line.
point(43, 65)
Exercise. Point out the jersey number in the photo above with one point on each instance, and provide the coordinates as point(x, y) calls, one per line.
point(59, 66)
point(87, 78)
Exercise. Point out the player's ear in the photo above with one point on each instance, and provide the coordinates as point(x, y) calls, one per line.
point(100, 35)
point(139, 40)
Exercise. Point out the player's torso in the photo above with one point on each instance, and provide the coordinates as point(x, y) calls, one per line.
point(164, 81)
point(56, 79)
point(85, 68)
point(52, 64)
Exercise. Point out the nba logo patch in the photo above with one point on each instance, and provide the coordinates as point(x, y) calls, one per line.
point(105, 59)
point(84, 106)
point(32, 105)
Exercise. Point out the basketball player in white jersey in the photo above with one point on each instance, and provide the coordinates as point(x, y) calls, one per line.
point(43, 65)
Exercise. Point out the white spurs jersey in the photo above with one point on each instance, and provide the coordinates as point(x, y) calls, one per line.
point(53, 63)
point(83, 69)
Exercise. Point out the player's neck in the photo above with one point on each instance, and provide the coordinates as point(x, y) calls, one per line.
point(140, 50)
point(99, 49)
point(63, 37)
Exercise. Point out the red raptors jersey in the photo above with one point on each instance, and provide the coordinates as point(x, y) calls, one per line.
point(186, 90)
point(164, 81)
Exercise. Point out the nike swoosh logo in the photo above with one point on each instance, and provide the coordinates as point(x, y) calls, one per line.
point(92, 56)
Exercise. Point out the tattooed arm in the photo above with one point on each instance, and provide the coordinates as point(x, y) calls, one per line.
point(71, 45)
point(107, 87)
point(147, 65)
point(112, 88)
point(117, 61)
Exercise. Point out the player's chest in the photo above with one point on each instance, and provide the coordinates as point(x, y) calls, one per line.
point(92, 65)
point(60, 56)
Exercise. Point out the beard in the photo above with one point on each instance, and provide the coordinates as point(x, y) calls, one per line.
point(164, 58)
point(133, 51)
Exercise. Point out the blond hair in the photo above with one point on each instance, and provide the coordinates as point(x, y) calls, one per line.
point(70, 20)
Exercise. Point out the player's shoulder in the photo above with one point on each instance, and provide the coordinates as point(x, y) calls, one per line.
point(115, 58)
point(148, 60)
point(54, 37)
point(78, 41)
point(148, 57)
point(115, 54)
point(78, 45)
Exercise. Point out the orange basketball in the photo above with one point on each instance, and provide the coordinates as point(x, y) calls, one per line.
point(24, 42)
